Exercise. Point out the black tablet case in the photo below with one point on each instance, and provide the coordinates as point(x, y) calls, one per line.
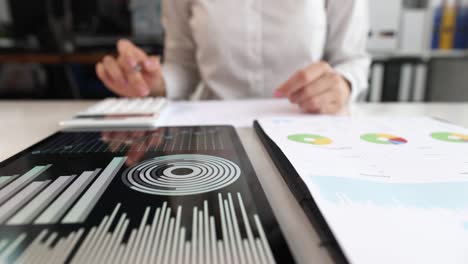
point(302, 195)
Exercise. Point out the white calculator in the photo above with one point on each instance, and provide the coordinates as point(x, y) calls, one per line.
point(120, 112)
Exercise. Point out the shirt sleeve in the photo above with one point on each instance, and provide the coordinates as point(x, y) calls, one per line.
point(180, 70)
point(346, 45)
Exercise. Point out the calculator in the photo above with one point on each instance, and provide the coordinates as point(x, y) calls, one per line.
point(120, 112)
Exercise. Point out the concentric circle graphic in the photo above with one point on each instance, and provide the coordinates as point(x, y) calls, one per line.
point(176, 175)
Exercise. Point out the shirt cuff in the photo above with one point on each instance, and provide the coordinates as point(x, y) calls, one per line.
point(357, 87)
point(179, 84)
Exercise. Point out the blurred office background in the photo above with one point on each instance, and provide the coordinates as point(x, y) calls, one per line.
point(48, 48)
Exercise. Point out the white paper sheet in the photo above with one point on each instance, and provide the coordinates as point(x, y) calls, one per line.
point(393, 190)
point(240, 113)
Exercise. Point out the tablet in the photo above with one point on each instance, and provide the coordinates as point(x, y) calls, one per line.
point(166, 195)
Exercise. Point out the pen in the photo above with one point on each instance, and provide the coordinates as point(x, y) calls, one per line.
point(137, 68)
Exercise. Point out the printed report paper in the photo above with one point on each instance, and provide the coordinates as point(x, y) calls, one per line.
point(392, 190)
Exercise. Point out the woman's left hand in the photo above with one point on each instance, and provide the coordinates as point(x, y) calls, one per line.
point(317, 89)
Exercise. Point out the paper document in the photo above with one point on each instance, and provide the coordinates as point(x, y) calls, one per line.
point(392, 190)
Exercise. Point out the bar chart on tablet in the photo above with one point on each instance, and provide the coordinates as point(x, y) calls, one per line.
point(162, 237)
point(47, 201)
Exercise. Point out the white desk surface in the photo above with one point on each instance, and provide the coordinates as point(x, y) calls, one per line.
point(26, 122)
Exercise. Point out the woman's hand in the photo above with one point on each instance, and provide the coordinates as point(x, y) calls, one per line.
point(317, 89)
point(132, 73)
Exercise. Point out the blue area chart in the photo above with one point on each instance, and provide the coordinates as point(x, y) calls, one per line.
point(445, 195)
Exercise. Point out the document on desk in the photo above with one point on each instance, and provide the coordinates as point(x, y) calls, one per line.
point(391, 190)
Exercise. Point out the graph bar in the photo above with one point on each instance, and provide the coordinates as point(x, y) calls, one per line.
point(55, 211)
point(33, 208)
point(3, 244)
point(11, 248)
point(166, 235)
point(22, 181)
point(13, 205)
point(86, 203)
point(4, 180)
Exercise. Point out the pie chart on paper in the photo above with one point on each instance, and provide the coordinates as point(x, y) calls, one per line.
point(310, 139)
point(384, 139)
point(450, 137)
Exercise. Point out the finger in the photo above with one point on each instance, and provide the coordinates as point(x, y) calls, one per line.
point(130, 58)
point(148, 140)
point(113, 70)
point(152, 65)
point(319, 103)
point(140, 54)
point(314, 89)
point(310, 108)
point(116, 141)
point(128, 62)
point(138, 135)
point(137, 140)
point(101, 73)
point(138, 84)
point(331, 109)
point(125, 49)
point(134, 157)
point(111, 84)
point(106, 136)
point(129, 48)
point(152, 72)
point(137, 147)
point(131, 54)
point(158, 138)
point(106, 79)
point(302, 78)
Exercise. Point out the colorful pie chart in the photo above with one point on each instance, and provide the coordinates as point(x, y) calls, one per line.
point(310, 139)
point(450, 137)
point(385, 139)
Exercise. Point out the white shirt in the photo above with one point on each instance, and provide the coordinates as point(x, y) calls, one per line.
point(247, 48)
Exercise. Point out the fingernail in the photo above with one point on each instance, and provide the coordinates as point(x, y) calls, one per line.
point(278, 94)
point(144, 91)
point(132, 63)
point(149, 64)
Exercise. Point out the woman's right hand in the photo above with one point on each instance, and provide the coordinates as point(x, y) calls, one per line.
point(132, 73)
